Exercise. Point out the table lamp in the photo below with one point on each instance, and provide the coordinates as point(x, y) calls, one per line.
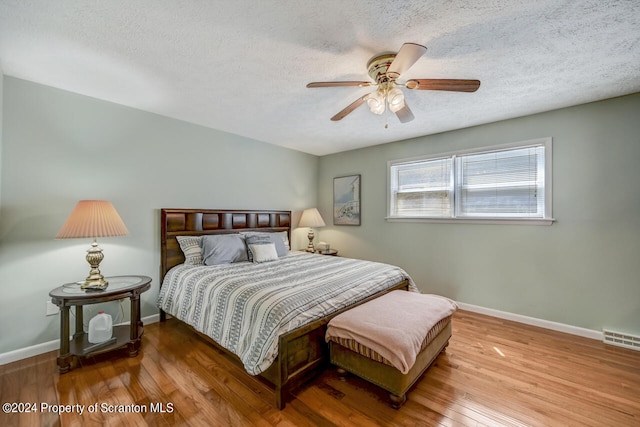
point(311, 218)
point(93, 219)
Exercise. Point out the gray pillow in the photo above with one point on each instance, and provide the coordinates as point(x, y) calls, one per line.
point(277, 238)
point(223, 249)
point(285, 238)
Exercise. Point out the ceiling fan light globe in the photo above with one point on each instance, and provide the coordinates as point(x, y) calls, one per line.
point(376, 103)
point(377, 109)
point(395, 99)
point(396, 107)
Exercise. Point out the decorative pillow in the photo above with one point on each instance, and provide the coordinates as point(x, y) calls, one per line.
point(285, 239)
point(256, 239)
point(263, 252)
point(223, 249)
point(191, 248)
point(278, 238)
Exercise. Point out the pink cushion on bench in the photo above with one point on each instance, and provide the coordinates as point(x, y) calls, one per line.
point(394, 325)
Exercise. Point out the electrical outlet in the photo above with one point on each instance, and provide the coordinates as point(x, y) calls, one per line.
point(52, 309)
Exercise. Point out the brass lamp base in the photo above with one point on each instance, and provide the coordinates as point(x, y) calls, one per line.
point(95, 283)
point(310, 236)
point(95, 279)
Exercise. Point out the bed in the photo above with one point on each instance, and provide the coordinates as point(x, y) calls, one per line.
point(295, 350)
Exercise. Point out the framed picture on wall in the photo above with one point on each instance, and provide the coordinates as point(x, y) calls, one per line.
point(346, 200)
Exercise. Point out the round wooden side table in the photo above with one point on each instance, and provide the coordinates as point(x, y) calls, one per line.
point(70, 294)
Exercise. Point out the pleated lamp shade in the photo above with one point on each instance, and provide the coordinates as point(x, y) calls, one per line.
point(311, 218)
point(93, 218)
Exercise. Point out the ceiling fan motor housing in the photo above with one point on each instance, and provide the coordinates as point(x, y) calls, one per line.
point(378, 66)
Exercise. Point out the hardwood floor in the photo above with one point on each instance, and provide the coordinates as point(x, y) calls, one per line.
point(494, 372)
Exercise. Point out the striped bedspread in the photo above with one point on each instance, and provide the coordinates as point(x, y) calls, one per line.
point(245, 307)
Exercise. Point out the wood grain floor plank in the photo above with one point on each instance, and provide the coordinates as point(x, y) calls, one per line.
point(494, 373)
point(357, 392)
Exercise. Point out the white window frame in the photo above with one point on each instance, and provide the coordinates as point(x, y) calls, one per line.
point(546, 219)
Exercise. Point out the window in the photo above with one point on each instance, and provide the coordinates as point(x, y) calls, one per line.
point(505, 183)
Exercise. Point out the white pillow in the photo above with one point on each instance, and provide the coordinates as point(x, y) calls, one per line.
point(264, 252)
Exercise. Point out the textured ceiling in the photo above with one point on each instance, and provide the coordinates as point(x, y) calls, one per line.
point(241, 66)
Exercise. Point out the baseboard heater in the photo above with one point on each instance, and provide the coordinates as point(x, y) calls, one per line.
point(621, 340)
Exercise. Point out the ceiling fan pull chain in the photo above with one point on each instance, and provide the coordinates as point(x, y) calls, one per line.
point(386, 107)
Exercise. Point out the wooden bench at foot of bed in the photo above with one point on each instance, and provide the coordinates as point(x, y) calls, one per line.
point(377, 341)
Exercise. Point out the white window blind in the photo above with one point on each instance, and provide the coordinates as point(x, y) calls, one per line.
point(502, 183)
point(507, 182)
point(424, 188)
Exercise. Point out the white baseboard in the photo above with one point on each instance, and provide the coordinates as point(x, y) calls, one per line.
point(24, 353)
point(35, 350)
point(554, 326)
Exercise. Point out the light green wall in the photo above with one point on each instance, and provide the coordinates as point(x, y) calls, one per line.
point(60, 147)
point(1, 104)
point(584, 270)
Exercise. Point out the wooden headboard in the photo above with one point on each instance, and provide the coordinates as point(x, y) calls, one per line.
point(198, 222)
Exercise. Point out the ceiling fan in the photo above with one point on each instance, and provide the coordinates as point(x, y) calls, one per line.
point(385, 69)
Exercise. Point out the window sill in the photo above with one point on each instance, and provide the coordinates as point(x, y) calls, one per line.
point(495, 221)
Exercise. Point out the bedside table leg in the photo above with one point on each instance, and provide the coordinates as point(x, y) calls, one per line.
point(64, 359)
point(134, 342)
point(79, 311)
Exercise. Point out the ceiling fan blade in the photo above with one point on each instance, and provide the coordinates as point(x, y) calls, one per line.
point(332, 84)
point(404, 114)
point(355, 104)
point(408, 54)
point(443, 84)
